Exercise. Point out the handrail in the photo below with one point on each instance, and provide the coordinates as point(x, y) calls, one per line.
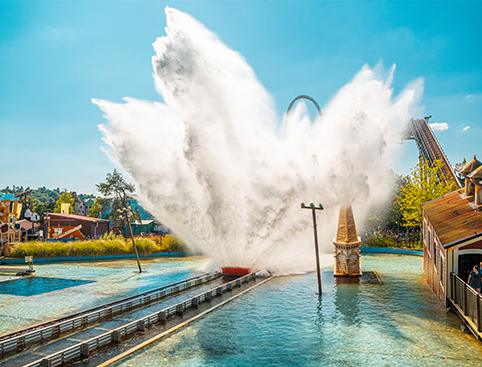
point(467, 300)
point(23, 339)
point(84, 348)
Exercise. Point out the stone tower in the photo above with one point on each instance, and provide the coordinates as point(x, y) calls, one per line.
point(347, 245)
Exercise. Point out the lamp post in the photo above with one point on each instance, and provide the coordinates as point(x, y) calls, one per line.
point(315, 232)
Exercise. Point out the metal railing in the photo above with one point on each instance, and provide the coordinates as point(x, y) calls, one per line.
point(467, 300)
point(37, 335)
point(84, 348)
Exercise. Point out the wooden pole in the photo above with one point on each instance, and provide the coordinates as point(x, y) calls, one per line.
point(133, 242)
point(315, 233)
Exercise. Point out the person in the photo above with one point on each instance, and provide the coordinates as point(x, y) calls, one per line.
point(480, 273)
point(474, 278)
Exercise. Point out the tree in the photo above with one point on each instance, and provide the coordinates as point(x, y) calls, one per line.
point(422, 185)
point(458, 167)
point(119, 190)
point(65, 198)
point(95, 209)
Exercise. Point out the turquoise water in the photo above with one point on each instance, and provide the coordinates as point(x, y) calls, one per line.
point(32, 286)
point(65, 288)
point(282, 323)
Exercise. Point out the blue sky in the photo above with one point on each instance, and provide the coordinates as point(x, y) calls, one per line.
point(55, 56)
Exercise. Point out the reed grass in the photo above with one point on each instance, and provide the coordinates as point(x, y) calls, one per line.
point(107, 245)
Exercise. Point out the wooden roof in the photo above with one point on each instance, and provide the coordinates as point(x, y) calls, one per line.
point(470, 166)
point(476, 174)
point(76, 217)
point(453, 218)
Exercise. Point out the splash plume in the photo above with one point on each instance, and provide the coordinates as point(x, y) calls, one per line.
point(214, 163)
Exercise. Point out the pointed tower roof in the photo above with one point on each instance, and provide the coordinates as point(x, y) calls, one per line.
point(346, 232)
point(470, 166)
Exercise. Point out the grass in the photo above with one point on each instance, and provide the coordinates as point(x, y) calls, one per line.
point(108, 245)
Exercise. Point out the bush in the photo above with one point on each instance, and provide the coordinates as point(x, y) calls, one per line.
point(106, 245)
point(385, 240)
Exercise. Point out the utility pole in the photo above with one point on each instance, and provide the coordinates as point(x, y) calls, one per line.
point(313, 212)
point(126, 211)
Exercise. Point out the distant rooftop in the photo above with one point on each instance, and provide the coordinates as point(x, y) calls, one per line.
point(78, 217)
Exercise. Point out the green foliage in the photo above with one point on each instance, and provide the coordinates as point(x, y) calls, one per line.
point(43, 199)
point(95, 209)
point(173, 243)
point(65, 197)
point(117, 191)
point(422, 185)
point(106, 245)
point(379, 239)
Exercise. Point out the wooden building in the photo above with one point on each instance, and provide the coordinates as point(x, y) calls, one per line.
point(452, 234)
point(62, 226)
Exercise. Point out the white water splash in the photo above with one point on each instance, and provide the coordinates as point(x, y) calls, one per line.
point(214, 164)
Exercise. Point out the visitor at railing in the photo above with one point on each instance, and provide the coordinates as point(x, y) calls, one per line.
point(474, 279)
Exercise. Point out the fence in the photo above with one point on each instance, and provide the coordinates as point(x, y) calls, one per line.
point(467, 300)
point(83, 349)
point(42, 334)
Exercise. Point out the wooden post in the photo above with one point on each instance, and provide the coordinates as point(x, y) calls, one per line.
point(315, 232)
point(133, 243)
point(180, 310)
point(84, 350)
point(465, 299)
point(162, 317)
point(141, 325)
point(116, 337)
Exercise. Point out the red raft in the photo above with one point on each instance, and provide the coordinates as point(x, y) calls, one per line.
point(234, 272)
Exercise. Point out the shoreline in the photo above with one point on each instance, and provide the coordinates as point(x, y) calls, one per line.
point(168, 254)
point(61, 259)
point(390, 250)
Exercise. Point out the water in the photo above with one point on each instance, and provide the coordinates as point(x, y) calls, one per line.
point(281, 323)
point(62, 289)
point(33, 286)
point(229, 174)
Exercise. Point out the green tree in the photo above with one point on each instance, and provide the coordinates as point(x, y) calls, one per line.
point(119, 190)
point(422, 185)
point(65, 198)
point(95, 209)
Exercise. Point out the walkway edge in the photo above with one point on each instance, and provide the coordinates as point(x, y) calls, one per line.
point(63, 259)
point(177, 327)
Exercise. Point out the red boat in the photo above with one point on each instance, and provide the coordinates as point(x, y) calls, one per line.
point(235, 272)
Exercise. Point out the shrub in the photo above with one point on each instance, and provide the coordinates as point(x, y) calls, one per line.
point(106, 245)
point(378, 239)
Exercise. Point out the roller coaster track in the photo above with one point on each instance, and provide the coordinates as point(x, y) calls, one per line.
point(306, 97)
point(430, 149)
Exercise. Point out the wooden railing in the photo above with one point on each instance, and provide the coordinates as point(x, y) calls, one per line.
point(467, 301)
point(84, 348)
